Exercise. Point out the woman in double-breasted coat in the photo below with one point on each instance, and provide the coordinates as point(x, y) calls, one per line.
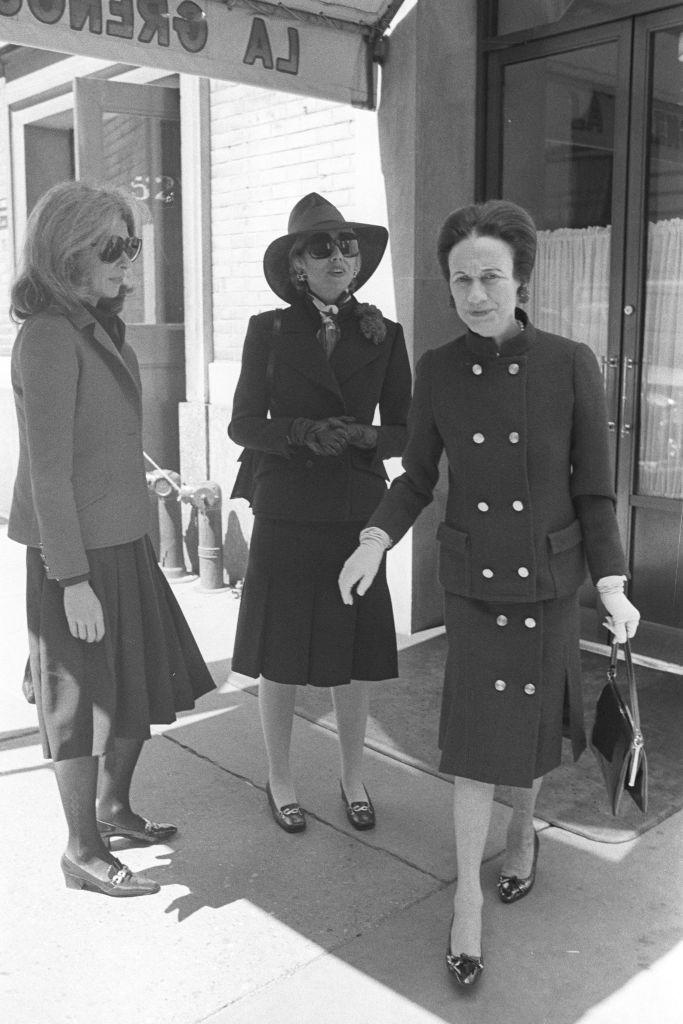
point(520, 415)
point(110, 651)
point(313, 375)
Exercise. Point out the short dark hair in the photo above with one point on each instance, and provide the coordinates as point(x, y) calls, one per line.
point(496, 218)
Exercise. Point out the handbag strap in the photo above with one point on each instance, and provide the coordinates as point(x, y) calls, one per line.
point(633, 711)
point(270, 366)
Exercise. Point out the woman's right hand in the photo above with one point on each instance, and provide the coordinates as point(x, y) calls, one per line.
point(84, 612)
point(360, 568)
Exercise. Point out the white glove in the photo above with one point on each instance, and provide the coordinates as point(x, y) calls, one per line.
point(622, 617)
point(362, 566)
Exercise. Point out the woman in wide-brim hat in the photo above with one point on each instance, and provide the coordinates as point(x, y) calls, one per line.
point(313, 377)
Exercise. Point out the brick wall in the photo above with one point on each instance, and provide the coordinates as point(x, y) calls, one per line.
point(267, 150)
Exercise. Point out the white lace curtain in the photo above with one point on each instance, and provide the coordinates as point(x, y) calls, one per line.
point(570, 296)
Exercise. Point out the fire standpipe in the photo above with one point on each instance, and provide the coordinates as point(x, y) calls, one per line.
point(207, 500)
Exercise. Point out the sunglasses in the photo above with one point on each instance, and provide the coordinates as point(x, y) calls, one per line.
point(322, 245)
point(115, 247)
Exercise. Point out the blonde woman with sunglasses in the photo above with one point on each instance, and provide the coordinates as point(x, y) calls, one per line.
point(110, 651)
point(313, 376)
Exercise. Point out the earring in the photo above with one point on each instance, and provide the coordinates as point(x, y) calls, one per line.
point(301, 276)
point(523, 292)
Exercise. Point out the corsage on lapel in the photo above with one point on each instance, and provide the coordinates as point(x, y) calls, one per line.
point(371, 323)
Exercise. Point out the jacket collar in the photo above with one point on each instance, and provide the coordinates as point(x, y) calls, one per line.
point(485, 348)
point(85, 322)
point(302, 350)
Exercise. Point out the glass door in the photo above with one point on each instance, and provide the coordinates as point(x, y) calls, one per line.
point(129, 136)
point(558, 124)
point(584, 131)
point(651, 466)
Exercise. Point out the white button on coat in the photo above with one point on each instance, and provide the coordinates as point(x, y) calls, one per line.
point(502, 620)
point(482, 506)
point(518, 505)
point(523, 572)
point(500, 685)
point(487, 574)
point(477, 370)
point(478, 438)
point(513, 369)
point(513, 437)
point(530, 623)
point(530, 689)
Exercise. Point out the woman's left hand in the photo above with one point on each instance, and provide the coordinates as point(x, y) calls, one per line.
point(84, 612)
point(360, 435)
point(622, 616)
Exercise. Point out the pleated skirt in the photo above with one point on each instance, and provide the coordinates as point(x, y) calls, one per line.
point(293, 627)
point(146, 668)
point(512, 689)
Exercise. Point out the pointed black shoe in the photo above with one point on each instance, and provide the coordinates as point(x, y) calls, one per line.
point(289, 817)
point(511, 888)
point(465, 969)
point(360, 813)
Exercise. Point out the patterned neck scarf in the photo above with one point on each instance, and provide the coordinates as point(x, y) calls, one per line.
point(329, 333)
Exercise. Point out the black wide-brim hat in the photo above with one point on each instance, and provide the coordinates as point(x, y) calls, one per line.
point(310, 215)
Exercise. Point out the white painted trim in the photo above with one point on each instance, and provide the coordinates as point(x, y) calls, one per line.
point(60, 75)
point(18, 183)
point(638, 659)
point(195, 156)
point(54, 76)
point(18, 121)
point(404, 641)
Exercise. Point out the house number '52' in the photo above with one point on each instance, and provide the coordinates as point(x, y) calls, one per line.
point(165, 186)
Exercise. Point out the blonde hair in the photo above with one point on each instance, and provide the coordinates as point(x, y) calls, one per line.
point(66, 222)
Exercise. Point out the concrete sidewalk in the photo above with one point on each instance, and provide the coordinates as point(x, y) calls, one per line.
point(330, 926)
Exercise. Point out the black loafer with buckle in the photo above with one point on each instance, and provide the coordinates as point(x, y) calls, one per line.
point(360, 813)
point(120, 880)
point(289, 817)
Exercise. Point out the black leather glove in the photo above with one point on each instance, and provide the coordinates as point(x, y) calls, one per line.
point(322, 437)
point(360, 435)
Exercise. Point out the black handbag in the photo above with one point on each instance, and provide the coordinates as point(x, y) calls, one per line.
point(249, 459)
point(617, 740)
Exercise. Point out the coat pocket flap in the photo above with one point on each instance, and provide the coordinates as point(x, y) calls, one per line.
point(568, 537)
point(451, 538)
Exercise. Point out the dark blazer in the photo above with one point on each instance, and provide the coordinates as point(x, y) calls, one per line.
point(292, 482)
point(81, 480)
point(525, 433)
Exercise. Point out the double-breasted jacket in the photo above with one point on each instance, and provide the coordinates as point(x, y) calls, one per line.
point(80, 480)
point(286, 375)
point(530, 497)
point(530, 490)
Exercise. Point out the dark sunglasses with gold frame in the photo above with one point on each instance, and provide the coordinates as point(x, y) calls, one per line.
point(115, 247)
point(322, 244)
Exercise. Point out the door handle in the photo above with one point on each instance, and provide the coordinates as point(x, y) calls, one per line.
point(609, 366)
point(627, 367)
